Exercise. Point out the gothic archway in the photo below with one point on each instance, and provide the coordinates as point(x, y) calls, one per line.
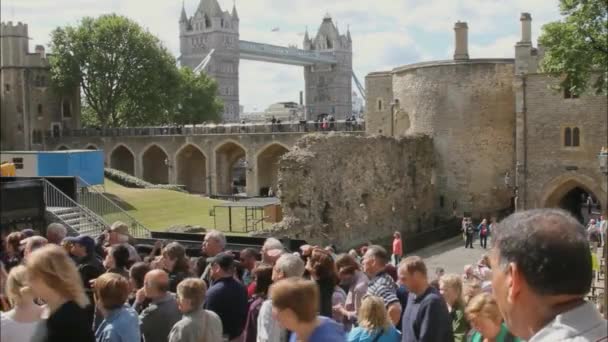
point(268, 167)
point(230, 168)
point(156, 165)
point(123, 159)
point(569, 192)
point(192, 169)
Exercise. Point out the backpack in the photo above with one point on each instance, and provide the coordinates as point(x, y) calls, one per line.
point(469, 229)
point(484, 231)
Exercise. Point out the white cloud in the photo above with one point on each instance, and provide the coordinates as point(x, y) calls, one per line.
point(386, 33)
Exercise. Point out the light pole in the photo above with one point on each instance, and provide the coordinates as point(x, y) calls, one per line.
point(603, 163)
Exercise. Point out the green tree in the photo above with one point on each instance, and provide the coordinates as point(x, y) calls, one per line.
point(126, 75)
point(577, 46)
point(197, 102)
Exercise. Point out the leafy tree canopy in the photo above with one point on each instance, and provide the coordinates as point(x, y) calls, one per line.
point(197, 101)
point(576, 47)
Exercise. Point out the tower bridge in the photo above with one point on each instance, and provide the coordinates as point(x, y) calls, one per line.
point(209, 42)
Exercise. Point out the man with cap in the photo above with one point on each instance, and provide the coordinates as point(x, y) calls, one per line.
point(119, 234)
point(89, 265)
point(227, 297)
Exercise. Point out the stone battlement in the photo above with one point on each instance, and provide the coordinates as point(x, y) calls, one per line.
point(10, 29)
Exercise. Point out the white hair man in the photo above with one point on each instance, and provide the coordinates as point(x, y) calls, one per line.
point(55, 233)
point(119, 235)
point(287, 266)
point(271, 250)
point(213, 244)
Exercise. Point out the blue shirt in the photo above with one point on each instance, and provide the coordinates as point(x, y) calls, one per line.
point(121, 325)
point(360, 334)
point(426, 318)
point(327, 331)
point(228, 299)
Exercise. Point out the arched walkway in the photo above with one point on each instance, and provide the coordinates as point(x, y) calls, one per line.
point(192, 169)
point(268, 167)
point(123, 159)
point(154, 161)
point(62, 148)
point(230, 168)
point(569, 192)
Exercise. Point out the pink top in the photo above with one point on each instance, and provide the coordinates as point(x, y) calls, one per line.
point(397, 247)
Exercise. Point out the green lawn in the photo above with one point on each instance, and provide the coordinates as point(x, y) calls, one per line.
point(159, 209)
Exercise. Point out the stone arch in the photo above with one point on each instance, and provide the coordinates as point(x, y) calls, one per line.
point(227, 170)
point(560, 188)
point(62, 148)
point(191, 164)
point(123, 159)
point(91, 147)
point(267, 163)
point(155, 162)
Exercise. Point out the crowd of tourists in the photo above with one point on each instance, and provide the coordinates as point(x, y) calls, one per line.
point(530, 286)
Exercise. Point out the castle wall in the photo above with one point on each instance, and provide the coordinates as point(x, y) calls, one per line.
point(347, 190)
point(553, 168)
point(379, 88)
point(468, 109)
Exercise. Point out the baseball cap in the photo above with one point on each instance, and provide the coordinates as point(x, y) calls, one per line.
point(83, 240)
point(224, 260)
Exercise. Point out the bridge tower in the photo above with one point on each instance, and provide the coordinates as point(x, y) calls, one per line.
point(329, 86)
point(209, 29)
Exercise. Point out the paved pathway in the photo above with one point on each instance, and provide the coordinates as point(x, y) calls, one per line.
point(451, 255)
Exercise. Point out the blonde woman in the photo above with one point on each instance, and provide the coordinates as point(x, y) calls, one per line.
point(19, 324)
point(374, 324)
point(450, 287)
point(482, 312)
point(53, 277)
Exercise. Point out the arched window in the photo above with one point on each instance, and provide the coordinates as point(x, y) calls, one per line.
point(39, 109)
point(576, 139)
point(207, 21)
point(329, 45)
point(568, 137)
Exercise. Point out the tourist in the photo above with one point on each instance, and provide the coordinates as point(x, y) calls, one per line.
point(119, 234)
point(197, 324)
point(20, 323)
point(439, 272)
point(248, 258)
point(117, 260)
point(295, 304)
point(426, 317)
point(120, 322)
point(537, 300)
point(397, 248)
point(484, 232)
point(162, 313)
point(450, 287)
point(271, 250)
point(469, 232)
point(13, 254)
point(137, 275)
point(31, 244)
point(175, 262)
point(381, 284)
point(55, 233)
point(352, 279)
point(470, 289)
point(263, 279)
point(213, 244)
point(288, 266)
point(602, 224)
point(485, 318)
point(322, 270)
point(374, 324)
point(227, 297)
point(53, 277)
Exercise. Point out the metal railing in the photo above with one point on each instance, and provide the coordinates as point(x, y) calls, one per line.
point(107, 209)
point(246, 128)
point(70, 213)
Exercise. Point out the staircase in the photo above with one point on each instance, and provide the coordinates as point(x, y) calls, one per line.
point(108, 211)
point(75, 217)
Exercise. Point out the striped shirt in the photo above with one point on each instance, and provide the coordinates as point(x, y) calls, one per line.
point(383, 286)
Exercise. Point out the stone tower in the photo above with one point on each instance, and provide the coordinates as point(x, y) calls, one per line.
point(28, 106)
point(208, 29)
point(329, 87)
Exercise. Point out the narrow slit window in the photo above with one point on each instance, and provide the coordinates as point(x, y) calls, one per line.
point(568, 137)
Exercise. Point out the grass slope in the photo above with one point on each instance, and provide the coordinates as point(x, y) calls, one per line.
point(158, 209)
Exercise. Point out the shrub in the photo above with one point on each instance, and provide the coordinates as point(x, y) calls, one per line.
point(129, 181)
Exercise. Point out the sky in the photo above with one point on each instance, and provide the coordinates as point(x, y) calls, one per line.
point(385, 33)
